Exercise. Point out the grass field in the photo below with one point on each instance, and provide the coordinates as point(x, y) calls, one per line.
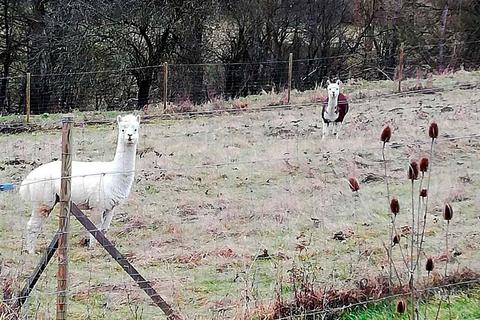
point(212, 194)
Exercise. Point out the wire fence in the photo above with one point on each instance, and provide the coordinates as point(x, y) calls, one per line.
point(233, 163)
point(184, 86)
point(268, 103)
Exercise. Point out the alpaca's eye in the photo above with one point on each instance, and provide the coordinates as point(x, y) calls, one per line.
point(123, 130)
point(135, 130)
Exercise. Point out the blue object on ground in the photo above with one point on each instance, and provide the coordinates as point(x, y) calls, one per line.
point(6, 186)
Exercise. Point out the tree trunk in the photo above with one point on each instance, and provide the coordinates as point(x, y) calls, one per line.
point(236, 81)
point(143, 93)
point(37, 59)
point(4, 109)
point(198, 94)
point(393, 41)
point(231, 80)
point(443, 26)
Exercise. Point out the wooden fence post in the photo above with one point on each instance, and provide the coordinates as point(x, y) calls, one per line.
point(165, 85)
point(290, 68)
point(64, 218)
point(27, 99)
point(400, 69)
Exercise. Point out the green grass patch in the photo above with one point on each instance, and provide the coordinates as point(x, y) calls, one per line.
point(462, 305)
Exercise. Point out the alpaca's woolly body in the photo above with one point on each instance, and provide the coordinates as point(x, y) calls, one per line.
point(94, 184)
point(337, 111)
point(100, 186)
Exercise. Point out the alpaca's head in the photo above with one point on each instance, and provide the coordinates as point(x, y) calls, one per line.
point(128, 127)
point(333, 89)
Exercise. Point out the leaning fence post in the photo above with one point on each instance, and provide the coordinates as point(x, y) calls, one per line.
point(400, 69)
point(63, 222)
point(125, 264)
point(165, 85)
point(290, 67)
point(27, 99)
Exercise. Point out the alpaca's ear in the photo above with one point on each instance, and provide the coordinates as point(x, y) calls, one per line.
point(138, 118)
point(339, 82)
point(119, 119)
point(328, 82)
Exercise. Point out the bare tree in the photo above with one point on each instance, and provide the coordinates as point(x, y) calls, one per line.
point(142, 33)
point(190, 39)
point(63, 44)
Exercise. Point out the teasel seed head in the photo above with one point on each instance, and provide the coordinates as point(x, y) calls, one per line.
point(401, 306)
point(396, 239)
point(433, 130)
point(394, 206)
point(354, 186)
point(413, 171)
point(386, 134)
point(423, 164)
point(423, 193)
point(429, 265)
point(448, 212)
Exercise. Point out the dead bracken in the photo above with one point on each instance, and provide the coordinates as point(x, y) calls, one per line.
point(309, 297)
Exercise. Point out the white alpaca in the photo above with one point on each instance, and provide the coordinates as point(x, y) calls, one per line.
point(334, 109)
point(99, 186)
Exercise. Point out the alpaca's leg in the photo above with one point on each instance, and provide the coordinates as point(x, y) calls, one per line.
point(95, 217)
point(34, 226)
point(106, 220)
point(323, 129)
point(341, 129)
point(326, 129)
point(91, 241)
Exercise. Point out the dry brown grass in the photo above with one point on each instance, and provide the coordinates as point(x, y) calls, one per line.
point(212, 193)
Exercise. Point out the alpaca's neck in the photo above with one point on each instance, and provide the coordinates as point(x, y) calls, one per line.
point(124, 160)
point(123, 167)
point(332, 104)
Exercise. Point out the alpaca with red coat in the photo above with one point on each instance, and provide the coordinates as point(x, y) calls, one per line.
point(334, 110)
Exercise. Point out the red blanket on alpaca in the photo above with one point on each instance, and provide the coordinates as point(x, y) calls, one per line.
point(341, 109)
